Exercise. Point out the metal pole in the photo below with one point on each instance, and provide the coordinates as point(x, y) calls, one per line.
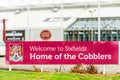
point(4, 37)
point(62, 27)
point(4, 30)
point(62, 18)
point(99, 21)
point(28, 21)
point(92, 26)
point(92, 12)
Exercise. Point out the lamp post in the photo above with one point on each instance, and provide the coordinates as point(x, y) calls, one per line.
point(92, 15)
point(99, 21)
point(62, 20)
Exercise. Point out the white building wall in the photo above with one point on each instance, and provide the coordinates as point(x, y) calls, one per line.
point(1, 37)
point(35, 17)
point(55, 35)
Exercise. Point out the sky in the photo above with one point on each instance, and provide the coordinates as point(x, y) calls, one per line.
point(14, 3)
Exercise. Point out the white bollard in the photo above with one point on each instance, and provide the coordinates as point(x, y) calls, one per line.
point(41, 68)
point(103, 69)
point(10, 68)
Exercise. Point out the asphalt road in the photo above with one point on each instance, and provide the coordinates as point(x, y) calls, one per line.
point(109, 68)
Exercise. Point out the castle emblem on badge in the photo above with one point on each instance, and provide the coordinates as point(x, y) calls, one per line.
point(16, 52)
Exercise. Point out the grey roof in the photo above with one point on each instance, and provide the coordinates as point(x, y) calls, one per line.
point(107, 23)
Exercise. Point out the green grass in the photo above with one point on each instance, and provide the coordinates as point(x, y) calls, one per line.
point(22, 75)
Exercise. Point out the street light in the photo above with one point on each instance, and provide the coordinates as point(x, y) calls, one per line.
point(55, 9)
point(92, 15)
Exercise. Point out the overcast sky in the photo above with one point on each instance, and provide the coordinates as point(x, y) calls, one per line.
point(6, 3)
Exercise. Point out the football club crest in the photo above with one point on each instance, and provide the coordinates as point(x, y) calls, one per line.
point(16, 52)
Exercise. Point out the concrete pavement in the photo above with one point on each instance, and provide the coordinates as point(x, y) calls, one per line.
point(109, 68)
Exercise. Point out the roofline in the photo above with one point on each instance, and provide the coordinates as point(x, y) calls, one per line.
point(66, 5)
